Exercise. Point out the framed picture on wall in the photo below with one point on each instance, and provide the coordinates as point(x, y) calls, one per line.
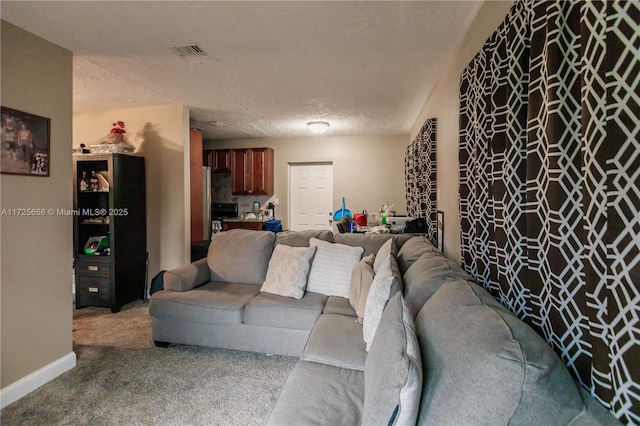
point(24, 143)
point(440, 225)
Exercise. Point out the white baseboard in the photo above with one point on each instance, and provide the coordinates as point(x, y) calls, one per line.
point(33, 381)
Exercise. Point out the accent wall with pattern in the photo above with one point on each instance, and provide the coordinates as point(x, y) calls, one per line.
point(550, 183)
point(420, 177)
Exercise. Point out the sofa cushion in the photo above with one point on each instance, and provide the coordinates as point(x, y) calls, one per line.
point(331, 268)
point(301, 238)
point(425, 277)
point(417, 291)
point(339, 305)
point(319, 394)
point(362, 277)
point(288, 271)
point(336, 340)
point(270, 310)
point(187, 277)
point(412, 250)
point(484, 366)
point(393, 369)
point(370, 242)
point(594, 413)
point(240, 255)
point(212, 303)
point(457, 268)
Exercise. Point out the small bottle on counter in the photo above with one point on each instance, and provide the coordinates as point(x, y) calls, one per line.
point(256, 208)
point(93, 182)
point(83, 182)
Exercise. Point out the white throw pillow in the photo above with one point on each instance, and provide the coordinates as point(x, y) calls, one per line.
point(331, 268)
point(376, 301)
point(384, 254)
point(288, 271)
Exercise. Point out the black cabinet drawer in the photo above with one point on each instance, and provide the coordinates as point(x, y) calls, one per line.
point(92, 290)
point(93, 265)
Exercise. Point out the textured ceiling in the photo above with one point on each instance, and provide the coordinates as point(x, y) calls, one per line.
point(366, 67)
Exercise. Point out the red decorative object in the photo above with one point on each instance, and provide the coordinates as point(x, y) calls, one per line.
point(118, 127)
point(115, 141)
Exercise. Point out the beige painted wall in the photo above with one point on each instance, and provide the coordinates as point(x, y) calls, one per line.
point(36, 252)
point(443, 104)
point(162, 133)
point(367, 170)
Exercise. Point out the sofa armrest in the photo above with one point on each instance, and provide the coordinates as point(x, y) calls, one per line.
point(187, 277)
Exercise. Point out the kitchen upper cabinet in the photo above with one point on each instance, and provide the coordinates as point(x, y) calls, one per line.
point(218, 159)
point(221, 161)
point(252, 171)
point(240, 172)
point(262, 163)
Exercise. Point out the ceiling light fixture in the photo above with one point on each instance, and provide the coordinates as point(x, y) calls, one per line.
point(318, 127)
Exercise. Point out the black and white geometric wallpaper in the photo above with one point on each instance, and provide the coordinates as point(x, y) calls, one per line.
point(550, 183)
point(420, 177)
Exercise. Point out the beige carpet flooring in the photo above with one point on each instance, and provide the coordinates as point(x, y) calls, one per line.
point(121, 378)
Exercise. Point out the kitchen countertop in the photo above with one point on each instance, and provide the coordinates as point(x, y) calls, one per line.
point(237, 219)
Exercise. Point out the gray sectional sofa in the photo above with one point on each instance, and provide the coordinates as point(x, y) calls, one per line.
point(442, 351)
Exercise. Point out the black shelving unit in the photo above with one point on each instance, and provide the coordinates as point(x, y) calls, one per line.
point(117, 275)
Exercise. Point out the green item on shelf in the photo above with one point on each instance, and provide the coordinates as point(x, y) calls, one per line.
point(96, 243)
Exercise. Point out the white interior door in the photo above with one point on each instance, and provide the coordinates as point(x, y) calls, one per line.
point(310, 196)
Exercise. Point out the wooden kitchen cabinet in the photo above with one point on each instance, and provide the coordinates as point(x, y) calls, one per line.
point(240, 172)
point(262, 169)
point(252, 171)
point(221, 161)
point(218, 159)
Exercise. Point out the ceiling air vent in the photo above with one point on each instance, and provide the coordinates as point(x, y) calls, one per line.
point(191, 53)
point(216, 123)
